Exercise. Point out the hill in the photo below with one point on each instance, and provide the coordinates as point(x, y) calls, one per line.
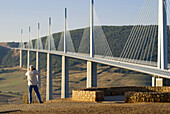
point(116, 37)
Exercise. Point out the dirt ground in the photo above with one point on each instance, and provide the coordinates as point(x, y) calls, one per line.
point(72, 107)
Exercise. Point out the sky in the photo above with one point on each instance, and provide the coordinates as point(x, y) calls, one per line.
point(20, 14)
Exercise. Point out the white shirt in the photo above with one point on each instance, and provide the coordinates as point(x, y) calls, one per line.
point(31, 77)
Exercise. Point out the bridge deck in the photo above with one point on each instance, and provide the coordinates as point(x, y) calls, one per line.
point(130, 66)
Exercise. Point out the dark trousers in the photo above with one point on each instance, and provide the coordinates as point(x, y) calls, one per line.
point(36, 91)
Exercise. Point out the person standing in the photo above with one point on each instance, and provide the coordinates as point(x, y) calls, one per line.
point(32, 83)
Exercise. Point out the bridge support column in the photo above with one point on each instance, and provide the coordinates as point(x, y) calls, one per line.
point(153, 81)
point(28, 60)
point(160, 82)
point(21, 59)
point(49, 85)
point(65, 77)
point(38, 68)
point(91, 74)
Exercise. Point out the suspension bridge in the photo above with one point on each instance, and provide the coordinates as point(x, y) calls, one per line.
point(148, 35)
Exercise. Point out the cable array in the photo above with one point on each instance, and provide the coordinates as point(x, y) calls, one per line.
point(84, 46)
point(101, 46)
point(70, 46)
point(140, 45)
point(38, 42)
point(61, 43)
point(29, 45)
point(52, 43)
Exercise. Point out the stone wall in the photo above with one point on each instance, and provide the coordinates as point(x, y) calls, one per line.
point(92, 96)
point(111, 91)
point(132, 97)
point(148, 93)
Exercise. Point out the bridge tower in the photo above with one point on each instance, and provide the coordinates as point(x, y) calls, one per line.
point(162, 36)
point(65, 64)
point(162, 43)
point(49, 85)
point(21, 54)
point(91, 66)
point(29, 47)
point(38, 57)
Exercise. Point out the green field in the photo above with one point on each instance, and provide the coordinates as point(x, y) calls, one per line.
point(13, 82)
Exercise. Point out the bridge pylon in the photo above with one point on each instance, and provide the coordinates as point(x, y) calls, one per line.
point(65, 64)
point(21, 54)
point(162, 62)
point(38, 58)
point(162, 36)
point(91, 66)
point(28, 52)
point(49, 85)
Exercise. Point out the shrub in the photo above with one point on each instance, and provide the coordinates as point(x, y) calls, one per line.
point(34, 96)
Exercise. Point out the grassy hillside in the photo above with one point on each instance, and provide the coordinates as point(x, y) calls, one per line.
point(115, 35)
point(8, 57)
point(14, 84)
point(12, 80)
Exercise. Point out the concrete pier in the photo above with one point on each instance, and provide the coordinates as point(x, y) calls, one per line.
point(65, 77)
point(28, 59)
point(91, 74)
point(160, 82)
point(38, 68)
point(49, 85)
point(21, 59)
point(153, 81)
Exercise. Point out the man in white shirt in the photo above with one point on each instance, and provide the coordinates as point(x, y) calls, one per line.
point(32, 83)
